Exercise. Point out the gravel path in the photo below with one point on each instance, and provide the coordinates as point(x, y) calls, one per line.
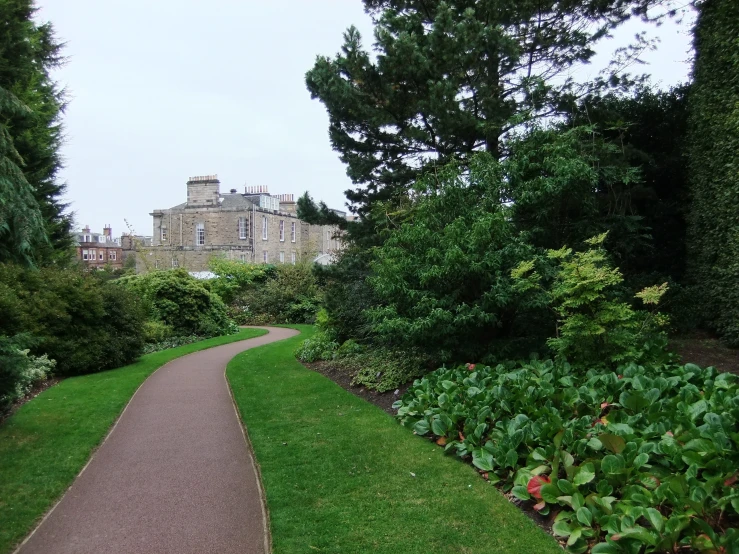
point(175, 475)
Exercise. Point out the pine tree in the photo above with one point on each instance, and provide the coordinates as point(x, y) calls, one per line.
point(33, 225)
point(451, 78)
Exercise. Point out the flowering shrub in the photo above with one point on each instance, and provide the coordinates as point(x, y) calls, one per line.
point(19, 370)
point(644, 460)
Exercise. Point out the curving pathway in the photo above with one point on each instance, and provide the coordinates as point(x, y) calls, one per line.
point(175, 475)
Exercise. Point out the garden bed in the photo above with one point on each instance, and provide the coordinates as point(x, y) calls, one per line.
point(344, 378)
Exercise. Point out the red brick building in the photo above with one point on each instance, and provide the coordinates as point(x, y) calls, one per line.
point(97, 250)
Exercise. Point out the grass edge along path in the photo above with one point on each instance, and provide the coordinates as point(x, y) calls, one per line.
point(342, 476)
point(45, 444)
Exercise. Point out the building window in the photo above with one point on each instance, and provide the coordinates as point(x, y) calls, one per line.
point(242, 228)
point(282, 231)
point(156, 264)
point(266, 256)
point(293, 255)
point(282, 257)
point(101, 238)
point(87, 238)
point(175, 262)
point(85, 254)
point(292, 231)
point(164, 234)
point(264, 227)
point(200, 234)
point(242, 256)
point(102, 256)
point(112, 255)
point(93, 255)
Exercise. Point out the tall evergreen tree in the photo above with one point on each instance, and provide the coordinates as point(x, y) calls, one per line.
point(33, 225)
point(452, 77)
point(713, 232)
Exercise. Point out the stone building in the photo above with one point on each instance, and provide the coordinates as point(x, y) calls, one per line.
point(96, 250)
point(253, 226)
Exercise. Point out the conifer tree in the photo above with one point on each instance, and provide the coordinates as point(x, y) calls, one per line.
point(452, 77)
point(33, 225)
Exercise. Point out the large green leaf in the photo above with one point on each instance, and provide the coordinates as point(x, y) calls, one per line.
point(656, 519)
point(612, 465)
point(585, 516)
point(561, 529)
point(438, 427)
point(483, 459)
point(585, 474)
point(549, 493)
point(614, 443)
point(421, 427)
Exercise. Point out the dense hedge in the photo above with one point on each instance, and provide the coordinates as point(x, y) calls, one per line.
point(284, 293)
point(713, 233)
point(181, 302)
point(82, 322)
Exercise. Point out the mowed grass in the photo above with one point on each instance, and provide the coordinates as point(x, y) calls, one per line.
point(45, 444)
point(341, 476)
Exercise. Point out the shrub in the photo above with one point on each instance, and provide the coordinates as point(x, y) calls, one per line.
point(348, 349)
point(595, 328)
point(170, 342)
point(19, 371)
point(643, 460)
point(156, 331)
point(290, 295)
point(83, 323)
point(178, 300)
point(383, 369)
point(233, 277)
point(318, 347)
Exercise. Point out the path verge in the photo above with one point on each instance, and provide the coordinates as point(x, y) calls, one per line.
point(340, 475)
point(45, 444)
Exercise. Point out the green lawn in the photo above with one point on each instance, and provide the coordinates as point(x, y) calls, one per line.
point(342, 476)
point(47, 442)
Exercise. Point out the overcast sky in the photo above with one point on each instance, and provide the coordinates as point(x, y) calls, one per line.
point(161, 90)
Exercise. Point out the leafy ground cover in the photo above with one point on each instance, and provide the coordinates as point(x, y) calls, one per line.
point(45, 444)
point(341, 476)
point(640, 461)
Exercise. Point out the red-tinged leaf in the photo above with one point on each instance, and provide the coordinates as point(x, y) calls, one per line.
point(471, 367)
point(615, 537)
point(620, 376)
point(540, 506)
point(535, 484)
point(669, 434)
point(461, 436)
point(603, 405)
point(651, 482)
point(441, 441)
point(731, 480)
point(485, 476)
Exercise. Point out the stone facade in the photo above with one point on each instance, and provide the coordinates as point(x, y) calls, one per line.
point(253, 226)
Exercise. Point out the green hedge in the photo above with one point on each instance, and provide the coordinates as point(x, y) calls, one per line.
point(82, 322)
point(713, 234)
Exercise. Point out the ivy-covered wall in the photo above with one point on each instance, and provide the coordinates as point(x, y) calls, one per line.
point(713, 233)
